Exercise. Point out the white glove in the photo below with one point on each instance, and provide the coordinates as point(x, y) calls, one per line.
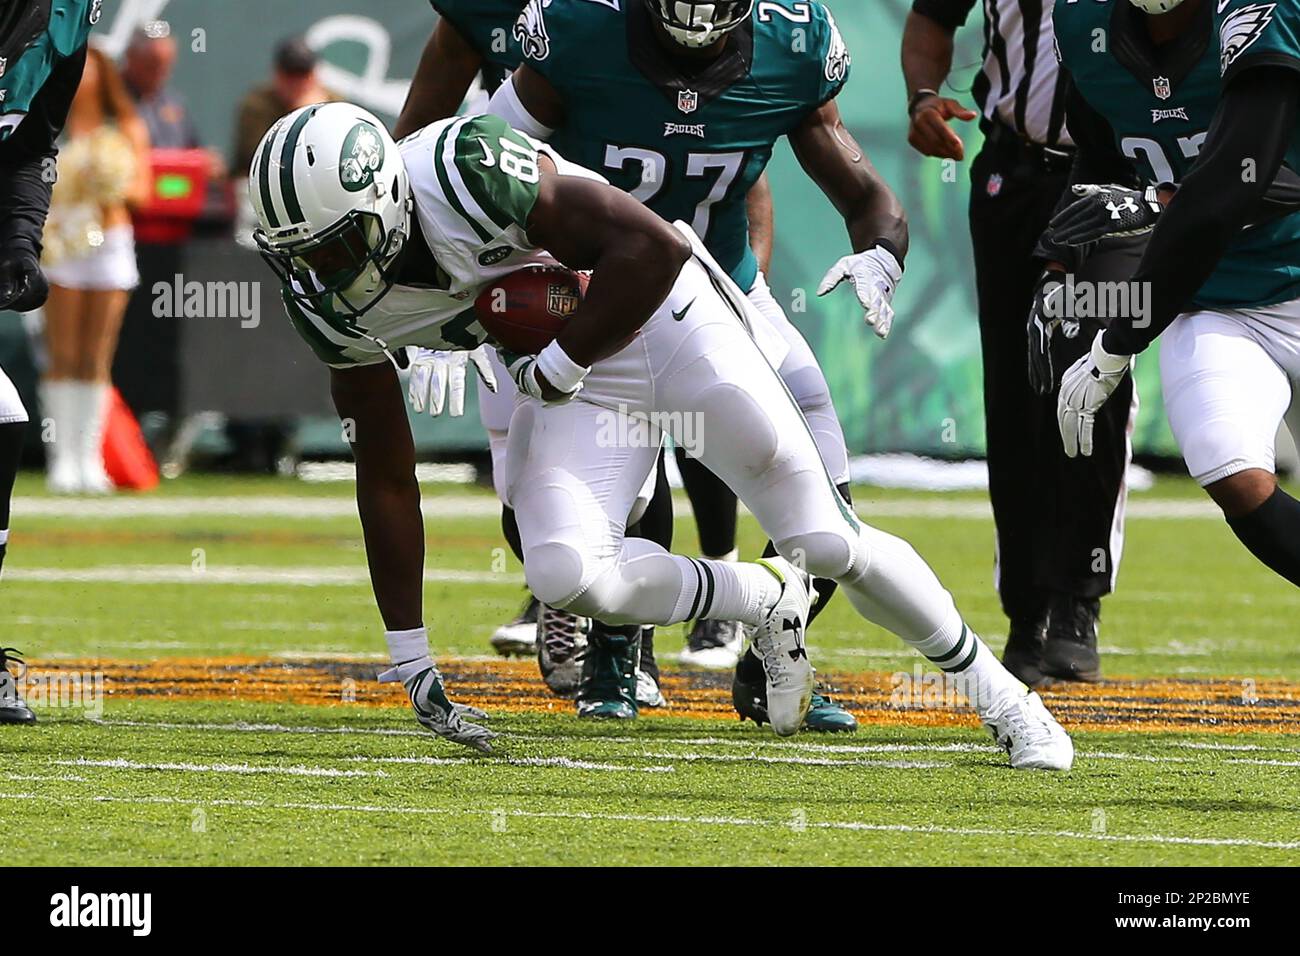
point(1084, 389)
point(435, 373)
point(560, 371)
point(875, 275)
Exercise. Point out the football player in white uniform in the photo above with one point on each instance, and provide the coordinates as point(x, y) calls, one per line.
point(382, 247)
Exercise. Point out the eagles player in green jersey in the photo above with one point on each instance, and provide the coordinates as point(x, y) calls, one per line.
point(681, 104)
point(1201, 99)
point(42, 53)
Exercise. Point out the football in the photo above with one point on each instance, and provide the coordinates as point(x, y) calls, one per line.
point(525, 310)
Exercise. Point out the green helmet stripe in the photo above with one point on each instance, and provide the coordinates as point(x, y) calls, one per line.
point(264, 180)
point(287, 191)
point(445, 181)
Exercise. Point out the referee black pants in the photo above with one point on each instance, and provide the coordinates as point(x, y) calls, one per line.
point(1059, 521)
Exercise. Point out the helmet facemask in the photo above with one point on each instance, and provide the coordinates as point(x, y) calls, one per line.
point(697, 24)
point(344, 270)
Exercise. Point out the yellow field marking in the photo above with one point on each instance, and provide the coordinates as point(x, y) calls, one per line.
point(1180, 704)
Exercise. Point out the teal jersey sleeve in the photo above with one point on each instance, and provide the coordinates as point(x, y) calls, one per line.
point(487, 25)
point(1257, 34)
point(833, 54)
point(68, 29)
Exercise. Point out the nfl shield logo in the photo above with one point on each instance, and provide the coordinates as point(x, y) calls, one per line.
point(688, 101)
point(1162, 87)
point(995, 184)
point(561, 300)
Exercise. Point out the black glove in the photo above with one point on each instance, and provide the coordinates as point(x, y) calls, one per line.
point(22, 284)
point(1102, 212)
point(1044, 316)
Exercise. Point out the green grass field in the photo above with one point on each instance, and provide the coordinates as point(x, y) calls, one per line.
point(236, 568)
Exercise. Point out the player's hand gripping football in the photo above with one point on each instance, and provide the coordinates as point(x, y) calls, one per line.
point(437, 374)
point(1084, 389)
point(874, 275)
point(1104, 212)
point(1044, 318)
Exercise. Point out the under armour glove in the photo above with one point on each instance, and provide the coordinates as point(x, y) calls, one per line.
point(1084, 389)
point(1044, 317)
point(1103, 212)
point(22, 284)
point(874, 275)
point(437, 375)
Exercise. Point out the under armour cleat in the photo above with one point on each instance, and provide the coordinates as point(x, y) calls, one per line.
point(779, 645)
point(1022, 726)
point(749, 697)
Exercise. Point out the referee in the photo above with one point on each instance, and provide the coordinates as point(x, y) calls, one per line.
point(1059, 522)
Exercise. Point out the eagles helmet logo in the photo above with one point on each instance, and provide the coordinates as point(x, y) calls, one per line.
point(838, 59)
point(530, 31)
point(363, 153)
point(96, 11)
point(1240, 29)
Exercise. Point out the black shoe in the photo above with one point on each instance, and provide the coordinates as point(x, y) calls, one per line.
point(714, 645)
point(609, 666)
point(1023, 655)
point(13, 709)
point(1071, 649)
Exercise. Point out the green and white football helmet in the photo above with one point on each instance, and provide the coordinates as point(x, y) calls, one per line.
point(333, 203)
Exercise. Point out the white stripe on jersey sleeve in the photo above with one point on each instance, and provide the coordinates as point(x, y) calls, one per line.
point(467, 200)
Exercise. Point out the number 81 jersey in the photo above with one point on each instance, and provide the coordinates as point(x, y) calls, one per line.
point(689, 144)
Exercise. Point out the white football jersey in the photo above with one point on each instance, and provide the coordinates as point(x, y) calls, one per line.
point(474, 181)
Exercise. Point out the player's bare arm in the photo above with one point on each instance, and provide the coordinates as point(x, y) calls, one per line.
point(370, 405)
point(539, 98)
point(635, 257)
point(927, 60)
point(762, 219)
point(840, 167)
point(447, 67)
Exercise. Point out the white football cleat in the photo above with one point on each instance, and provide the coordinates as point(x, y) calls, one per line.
point(779, 644)
point(648, 693)
point(1023, 727)
point(714, 645)
point(423, 682)
point(518, 638)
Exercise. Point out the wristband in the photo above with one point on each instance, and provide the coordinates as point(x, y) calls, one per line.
point(916, 98)
point(561, 371)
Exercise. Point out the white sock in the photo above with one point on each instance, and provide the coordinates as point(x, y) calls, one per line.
point(4, 537)
point(408, 645)
point(92, 405)
point(725, 591)
point(890, 585)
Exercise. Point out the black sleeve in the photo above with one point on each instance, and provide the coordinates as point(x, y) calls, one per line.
point(950, 14)
point(25, 157)
point(1252, 128)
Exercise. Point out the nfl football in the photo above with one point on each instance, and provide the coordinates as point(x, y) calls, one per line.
point(525, 310)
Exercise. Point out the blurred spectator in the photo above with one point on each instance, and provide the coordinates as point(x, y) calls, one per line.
point(89, 260)
point(293, 84)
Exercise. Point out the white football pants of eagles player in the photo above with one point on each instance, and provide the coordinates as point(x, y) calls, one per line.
point(572, 476)
point(1228, 377)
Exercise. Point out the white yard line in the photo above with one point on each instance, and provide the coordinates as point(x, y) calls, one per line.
point(698, 821)
point(121, 763)
point(485, 506)
point(289, 576)
point(564, 763)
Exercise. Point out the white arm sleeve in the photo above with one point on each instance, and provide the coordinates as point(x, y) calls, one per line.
point(505, 103)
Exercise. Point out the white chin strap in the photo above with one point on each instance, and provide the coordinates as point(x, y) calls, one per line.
point(1155, 6)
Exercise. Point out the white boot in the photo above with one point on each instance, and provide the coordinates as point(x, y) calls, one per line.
point(58, 404)
point(93, 401)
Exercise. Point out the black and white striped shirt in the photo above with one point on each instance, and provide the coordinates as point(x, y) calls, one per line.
point(1020, 83)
